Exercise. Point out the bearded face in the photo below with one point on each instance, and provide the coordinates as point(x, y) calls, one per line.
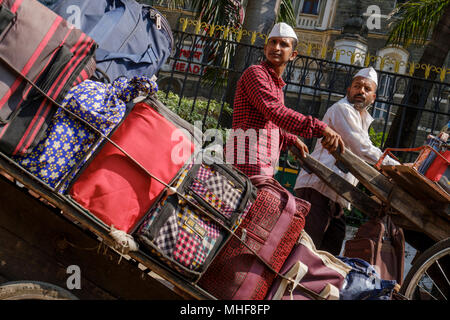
point(361, 93)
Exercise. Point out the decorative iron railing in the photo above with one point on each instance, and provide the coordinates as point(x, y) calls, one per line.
point(312, 84)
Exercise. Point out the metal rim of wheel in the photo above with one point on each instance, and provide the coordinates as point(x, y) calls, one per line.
point(416, 277)
point(33, 290)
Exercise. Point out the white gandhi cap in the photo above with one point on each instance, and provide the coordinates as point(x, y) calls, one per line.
point(368, 73)
point(283, 30)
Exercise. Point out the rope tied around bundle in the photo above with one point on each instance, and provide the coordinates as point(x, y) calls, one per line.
point(123, 241)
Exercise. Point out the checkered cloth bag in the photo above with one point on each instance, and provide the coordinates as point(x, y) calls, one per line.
point(222, 192)
point(179, 230)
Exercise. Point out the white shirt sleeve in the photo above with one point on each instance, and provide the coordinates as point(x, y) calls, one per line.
point(348, 124)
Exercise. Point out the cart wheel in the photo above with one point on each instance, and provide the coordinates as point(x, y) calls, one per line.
point(33, 290)
point(429, 277)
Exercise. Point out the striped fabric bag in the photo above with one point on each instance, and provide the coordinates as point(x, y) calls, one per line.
point(38, 49)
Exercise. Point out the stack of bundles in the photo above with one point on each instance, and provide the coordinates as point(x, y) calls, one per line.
point(123, 180)
point(68, 142)
point(249, 263)
point(330, 277)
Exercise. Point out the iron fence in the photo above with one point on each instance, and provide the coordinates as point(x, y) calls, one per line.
point(312, 84)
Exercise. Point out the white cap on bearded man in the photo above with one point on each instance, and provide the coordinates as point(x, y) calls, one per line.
point(368, 73)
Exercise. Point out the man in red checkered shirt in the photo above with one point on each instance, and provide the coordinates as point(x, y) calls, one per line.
point(262, 124)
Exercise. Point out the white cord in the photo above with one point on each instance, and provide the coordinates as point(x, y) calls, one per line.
point(124, 241)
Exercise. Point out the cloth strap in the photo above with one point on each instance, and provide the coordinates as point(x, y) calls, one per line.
point(294, 275)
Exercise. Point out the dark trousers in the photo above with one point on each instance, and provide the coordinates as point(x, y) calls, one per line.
point(325, 222)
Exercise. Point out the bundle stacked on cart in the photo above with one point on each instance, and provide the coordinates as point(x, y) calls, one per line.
point(41, 57)
point(134, 39)
point(69, 141)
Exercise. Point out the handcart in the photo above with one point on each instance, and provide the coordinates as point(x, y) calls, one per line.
point(413, 202)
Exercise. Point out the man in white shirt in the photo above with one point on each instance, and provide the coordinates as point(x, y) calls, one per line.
point(349, 117)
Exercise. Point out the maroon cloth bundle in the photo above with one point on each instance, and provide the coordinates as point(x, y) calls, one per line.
point(316, 270)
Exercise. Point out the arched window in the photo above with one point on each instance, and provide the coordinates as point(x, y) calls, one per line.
point(311, 7)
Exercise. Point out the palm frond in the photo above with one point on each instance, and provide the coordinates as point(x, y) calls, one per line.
point(414, 21)
point(218, 12)
point(286, 13)
point(226, 13)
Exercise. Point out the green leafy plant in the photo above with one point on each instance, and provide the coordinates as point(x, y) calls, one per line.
point(377, 137)
point(194, 110)
point(354, 217)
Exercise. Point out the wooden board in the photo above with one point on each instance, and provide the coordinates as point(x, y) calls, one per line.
point(421, 215)
point(416, 184)
point(370, 206)
point(349, 192)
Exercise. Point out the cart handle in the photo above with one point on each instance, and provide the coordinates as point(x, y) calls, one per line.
point(388, 152)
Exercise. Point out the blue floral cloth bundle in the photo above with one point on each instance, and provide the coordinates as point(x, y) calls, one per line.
point(68, 141)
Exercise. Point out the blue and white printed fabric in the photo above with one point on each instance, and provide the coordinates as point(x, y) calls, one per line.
point(68, 141)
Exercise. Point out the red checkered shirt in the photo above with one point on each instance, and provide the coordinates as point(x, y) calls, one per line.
point(267, 125)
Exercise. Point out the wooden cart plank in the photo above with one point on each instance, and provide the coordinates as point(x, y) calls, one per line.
point(367, 205)
point(21, 261)
point(349, 192)
point(415, 183)
point(432, 224)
